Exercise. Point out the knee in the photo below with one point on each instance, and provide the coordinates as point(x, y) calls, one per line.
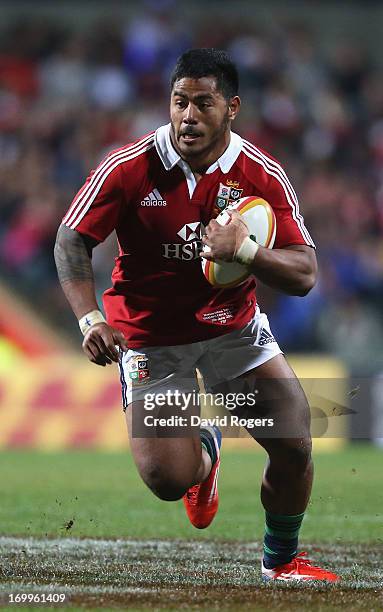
point(300, 455)
point(293, 455)
point(164, 485)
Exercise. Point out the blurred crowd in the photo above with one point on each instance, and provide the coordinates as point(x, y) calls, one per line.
point(67, 97)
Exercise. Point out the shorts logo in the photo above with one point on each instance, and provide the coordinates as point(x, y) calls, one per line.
point(265, 338)
point(138, 368)
point(226, 195)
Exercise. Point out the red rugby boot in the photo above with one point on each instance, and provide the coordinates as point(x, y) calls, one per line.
point(299, 568)
point(201, 500)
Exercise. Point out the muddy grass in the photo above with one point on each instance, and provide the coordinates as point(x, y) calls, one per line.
point(181, 575)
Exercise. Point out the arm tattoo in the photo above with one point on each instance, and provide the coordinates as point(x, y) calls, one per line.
point(72, 256)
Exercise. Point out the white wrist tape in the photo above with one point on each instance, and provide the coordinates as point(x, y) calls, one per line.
point(246, 252)
point(93, 317)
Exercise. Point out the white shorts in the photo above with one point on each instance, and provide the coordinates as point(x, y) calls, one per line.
point(159, 369)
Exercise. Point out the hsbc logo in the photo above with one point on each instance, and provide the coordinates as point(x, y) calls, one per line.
point(190, 231)
point(191, 235)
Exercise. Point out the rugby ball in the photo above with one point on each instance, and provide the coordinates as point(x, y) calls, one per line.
point(260, 219)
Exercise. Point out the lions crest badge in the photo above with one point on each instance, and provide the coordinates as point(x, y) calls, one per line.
point(138, 368)
point(226, 195)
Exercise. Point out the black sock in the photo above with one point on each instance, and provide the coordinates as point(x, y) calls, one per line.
point(281, 538)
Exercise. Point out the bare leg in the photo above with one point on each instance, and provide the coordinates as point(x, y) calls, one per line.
point(287, 479)
point(168, 466)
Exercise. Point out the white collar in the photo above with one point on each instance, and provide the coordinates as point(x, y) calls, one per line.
point(170, 157)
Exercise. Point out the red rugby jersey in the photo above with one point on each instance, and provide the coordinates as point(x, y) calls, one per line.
point(149, 195)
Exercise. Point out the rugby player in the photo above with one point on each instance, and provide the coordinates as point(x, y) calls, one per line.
point(163, 319)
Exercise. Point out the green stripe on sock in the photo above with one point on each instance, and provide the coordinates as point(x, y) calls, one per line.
point(273, 553)
point(282, 535)
point(268, 550)
point(283, 526)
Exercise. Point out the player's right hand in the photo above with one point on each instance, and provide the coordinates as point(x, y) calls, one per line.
point(100, 343)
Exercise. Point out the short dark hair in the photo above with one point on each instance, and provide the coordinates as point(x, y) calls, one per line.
point(198, 63)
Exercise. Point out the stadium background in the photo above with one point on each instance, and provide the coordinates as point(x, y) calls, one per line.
point(78, 79)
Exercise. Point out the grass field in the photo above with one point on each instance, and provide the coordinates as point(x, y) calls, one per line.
point(83, 524)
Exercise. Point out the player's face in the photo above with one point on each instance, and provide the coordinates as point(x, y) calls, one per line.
point(201, 118)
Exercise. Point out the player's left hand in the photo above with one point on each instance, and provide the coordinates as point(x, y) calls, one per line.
point(224, 240)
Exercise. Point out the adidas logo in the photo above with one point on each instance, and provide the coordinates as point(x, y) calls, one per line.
point(154, 199)
point(265, 338)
